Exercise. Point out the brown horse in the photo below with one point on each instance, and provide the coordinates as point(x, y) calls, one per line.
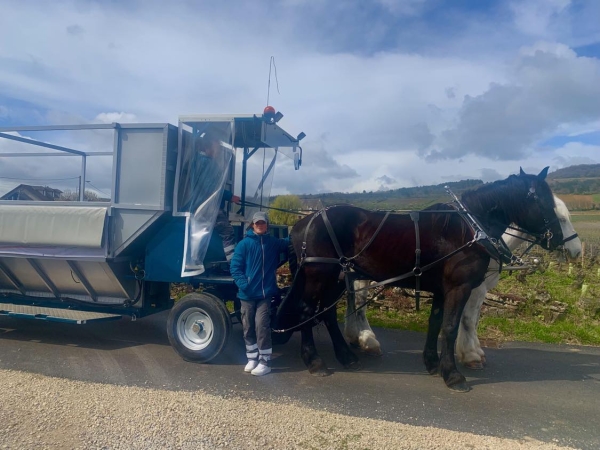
point(447, 252)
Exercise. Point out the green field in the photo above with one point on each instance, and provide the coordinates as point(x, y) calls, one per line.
point(585, 216)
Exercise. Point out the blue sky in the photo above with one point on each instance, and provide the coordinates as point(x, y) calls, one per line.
point(390, 93)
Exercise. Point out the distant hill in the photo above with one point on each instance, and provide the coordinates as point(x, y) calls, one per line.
point(580, 171)
point(583, 179)
point(404, 198)
point(574, 183)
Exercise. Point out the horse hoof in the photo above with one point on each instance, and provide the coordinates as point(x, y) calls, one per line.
point(460, 387)
point(355, 365)
point(483, 360)
point(434, 370)
point(473, 365)
point(320, 372)
point(373, 351)
point(319, 369)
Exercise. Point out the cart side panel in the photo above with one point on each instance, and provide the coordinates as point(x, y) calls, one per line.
point(163, 253)
point(146, 167)
point(145, 174)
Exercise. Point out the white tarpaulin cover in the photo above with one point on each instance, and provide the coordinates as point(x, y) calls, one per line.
point(51, 226)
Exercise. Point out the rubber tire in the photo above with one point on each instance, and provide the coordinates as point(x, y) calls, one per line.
point(215, 309)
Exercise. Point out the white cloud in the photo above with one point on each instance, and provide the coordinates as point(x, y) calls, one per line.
point(111, 117)
point(535, 17)
point(373, 99)
point(575, 153)
point(550, 87)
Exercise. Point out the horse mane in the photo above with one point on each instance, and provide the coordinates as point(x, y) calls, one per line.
point(445, 220)
point(507, 195)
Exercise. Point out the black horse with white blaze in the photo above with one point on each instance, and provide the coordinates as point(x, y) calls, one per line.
point(439, 250)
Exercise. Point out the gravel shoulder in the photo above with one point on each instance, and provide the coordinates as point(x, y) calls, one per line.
point(41, 412)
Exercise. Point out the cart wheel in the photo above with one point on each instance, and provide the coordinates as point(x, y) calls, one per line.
point(198, 327)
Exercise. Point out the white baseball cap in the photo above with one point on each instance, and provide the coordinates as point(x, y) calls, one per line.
point(260, 215)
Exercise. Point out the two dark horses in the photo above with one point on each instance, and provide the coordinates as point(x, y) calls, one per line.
point(524, 200)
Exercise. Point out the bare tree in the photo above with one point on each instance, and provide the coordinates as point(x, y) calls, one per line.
point(73, 196)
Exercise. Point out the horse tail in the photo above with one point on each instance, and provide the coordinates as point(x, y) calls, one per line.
point(292, 259)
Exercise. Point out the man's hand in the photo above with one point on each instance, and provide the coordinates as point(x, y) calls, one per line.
point(235, 199)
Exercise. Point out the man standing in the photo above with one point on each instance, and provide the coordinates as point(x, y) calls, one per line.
point(253, 267)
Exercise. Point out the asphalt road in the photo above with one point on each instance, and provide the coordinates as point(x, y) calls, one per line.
point(546, 392)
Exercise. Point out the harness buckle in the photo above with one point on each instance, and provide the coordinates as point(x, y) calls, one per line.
point(346, 264)
point(548, 237)
point(532, 194)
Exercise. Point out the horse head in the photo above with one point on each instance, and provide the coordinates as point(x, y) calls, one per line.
point(538, 209)
point(525, 200)
point(571, 247)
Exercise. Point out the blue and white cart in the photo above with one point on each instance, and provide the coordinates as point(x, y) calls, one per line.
point(84, 261)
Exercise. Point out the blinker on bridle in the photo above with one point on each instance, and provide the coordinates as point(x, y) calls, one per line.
point(546, 235)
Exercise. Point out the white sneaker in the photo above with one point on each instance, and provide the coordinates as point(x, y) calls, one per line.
point(252, 363)
point(261, 369)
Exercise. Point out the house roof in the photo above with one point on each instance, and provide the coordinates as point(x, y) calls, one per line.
point(312, 204)
point(35, 193)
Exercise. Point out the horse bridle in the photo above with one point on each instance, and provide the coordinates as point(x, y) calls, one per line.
point(546, 235)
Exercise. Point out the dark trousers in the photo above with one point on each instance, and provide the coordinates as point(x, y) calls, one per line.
point(256, 322)
point(225, 230)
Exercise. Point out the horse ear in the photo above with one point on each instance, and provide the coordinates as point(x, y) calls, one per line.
point(542, 175)
point(521, 171)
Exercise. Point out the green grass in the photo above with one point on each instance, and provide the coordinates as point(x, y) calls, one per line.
point(532, 330)
point(399, 320)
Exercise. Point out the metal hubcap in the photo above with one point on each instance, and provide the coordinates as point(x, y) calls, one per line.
point(198, 327)
point(195, 329)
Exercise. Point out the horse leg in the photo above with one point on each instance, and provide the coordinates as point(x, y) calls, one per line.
point(351, 324)
point(454, 302)
point(308, 351)
point(318, 290)
point(430, 354)
point(342, 351)
point(468, 348)
point(356, 327)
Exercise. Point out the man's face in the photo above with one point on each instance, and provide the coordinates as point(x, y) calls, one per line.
point(212, 149)
point(260, 227)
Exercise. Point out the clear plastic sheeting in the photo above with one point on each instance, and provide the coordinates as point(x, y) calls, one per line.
point(205, 156)
point(260, 172)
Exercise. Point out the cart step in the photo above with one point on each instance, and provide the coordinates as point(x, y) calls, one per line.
point(54, 314)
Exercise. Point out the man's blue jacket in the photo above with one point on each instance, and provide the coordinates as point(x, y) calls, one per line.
point(254, 263)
